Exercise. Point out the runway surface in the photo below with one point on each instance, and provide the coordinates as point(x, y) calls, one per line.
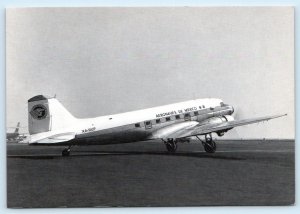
point(144, 174)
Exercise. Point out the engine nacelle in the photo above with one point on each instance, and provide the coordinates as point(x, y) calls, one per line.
point(219, 120)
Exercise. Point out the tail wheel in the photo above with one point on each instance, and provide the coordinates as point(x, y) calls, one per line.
point(66, 152)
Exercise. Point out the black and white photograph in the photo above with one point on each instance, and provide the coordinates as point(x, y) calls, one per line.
point(150, 106)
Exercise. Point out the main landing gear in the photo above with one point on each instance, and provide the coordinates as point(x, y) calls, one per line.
point(66, 151)
point(209, 145)
point(171, 145)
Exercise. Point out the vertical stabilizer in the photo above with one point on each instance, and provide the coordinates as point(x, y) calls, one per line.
point(17, 128)
point(47, 114)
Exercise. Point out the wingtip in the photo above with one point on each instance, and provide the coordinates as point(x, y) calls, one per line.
point(282, 115)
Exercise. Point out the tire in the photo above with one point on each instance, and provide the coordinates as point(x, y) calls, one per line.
point(171, 147)
point(210, 147)
point(65, 152)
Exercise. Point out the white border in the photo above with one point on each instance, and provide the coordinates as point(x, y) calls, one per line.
point(130, 3)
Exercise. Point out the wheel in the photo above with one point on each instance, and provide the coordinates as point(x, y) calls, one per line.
point(171, 146)
point(210, 147)
point(66, 152)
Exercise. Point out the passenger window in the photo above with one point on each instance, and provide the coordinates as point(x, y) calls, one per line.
point(177, 117)
point(148, 125)
point(187, 116)
point(168, 118)
point(203, 106)
point(137, 125)
point(157, 121)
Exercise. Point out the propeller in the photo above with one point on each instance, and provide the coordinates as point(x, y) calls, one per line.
point(237, 116)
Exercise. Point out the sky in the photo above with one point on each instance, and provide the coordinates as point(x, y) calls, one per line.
point(100, 61)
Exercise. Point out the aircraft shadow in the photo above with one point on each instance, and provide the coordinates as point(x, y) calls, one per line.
point(76, 154)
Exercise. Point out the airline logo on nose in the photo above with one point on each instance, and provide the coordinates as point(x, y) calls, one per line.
point(38, 112)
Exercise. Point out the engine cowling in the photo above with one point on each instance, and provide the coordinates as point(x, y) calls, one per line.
point(219, 120)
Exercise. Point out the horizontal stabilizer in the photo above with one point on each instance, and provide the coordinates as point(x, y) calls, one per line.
point(44, 138)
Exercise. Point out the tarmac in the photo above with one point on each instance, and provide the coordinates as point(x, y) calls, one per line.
point(143, 174)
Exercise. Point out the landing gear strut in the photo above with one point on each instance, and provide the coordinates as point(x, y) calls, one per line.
point(209, 145)
point(66, 151)
point(171, 145)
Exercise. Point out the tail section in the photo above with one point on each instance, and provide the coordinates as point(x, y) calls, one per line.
point(17, 128)
point(47, 114)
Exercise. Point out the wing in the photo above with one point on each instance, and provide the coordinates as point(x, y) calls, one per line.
point(192, 129)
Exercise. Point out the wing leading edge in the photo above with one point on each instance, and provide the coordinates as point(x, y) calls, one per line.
point(209, 128)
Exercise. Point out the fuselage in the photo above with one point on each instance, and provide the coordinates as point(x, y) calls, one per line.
point(50, 123)
point(142, 124)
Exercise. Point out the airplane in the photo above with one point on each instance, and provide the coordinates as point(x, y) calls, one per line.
point(12, 136)
point(50, 123)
